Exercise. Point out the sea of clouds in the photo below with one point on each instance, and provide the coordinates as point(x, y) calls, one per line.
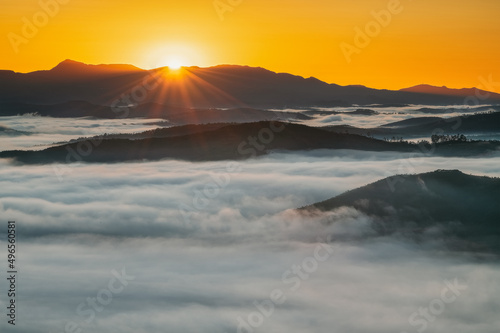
point(209, 247)
point(44, 132)
point(387, 115)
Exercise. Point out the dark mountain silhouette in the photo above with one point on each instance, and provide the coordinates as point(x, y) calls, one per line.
point(175, 115)
point(461, 205)
point(6, 131)
point(484, 122)
point(464, 92)
point(418, 121)
point(360, 112)
point(69, 69)
point(224, 142)
point(63, 110)
point(483, 108)
point(426, 126)
point(205, 142)
point(219, 86)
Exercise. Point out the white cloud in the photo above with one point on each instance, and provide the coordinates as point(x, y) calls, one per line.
point(46, 130)
point(202, 275)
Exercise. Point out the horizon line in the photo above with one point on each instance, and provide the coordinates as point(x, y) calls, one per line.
point(249, 66)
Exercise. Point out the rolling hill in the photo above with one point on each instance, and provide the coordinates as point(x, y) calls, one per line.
point(452, 204)
point(227, 142)
point(204, 143)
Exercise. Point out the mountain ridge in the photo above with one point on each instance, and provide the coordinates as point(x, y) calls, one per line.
point(218, 86)
point(443, 90)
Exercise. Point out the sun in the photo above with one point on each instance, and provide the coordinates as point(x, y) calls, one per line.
point(174, 62)
point(174, 55)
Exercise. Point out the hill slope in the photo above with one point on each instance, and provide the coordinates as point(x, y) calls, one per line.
point(206, 142)
point(462, 205)
point(227, 141)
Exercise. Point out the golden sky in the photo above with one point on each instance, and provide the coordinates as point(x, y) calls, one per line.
point(439, 42)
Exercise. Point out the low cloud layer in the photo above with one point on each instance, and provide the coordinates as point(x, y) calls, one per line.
point(386, 115)
point(44, 131)
point(206, 260)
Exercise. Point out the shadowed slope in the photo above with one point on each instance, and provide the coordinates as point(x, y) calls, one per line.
point(459, 205)
point(227, 141)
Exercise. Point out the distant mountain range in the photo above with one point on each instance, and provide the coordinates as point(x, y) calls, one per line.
point(175, 115)
point(220, 86)
point(445, 203)
point(445, 91)
point(426, 126)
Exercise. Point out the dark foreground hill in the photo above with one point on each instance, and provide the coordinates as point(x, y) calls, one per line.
point(205, 143)
point(452, 204)
point(227, 142)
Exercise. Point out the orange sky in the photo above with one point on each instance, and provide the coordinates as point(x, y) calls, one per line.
point(439, 42)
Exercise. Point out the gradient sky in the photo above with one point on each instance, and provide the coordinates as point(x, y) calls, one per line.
point(439, 42)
